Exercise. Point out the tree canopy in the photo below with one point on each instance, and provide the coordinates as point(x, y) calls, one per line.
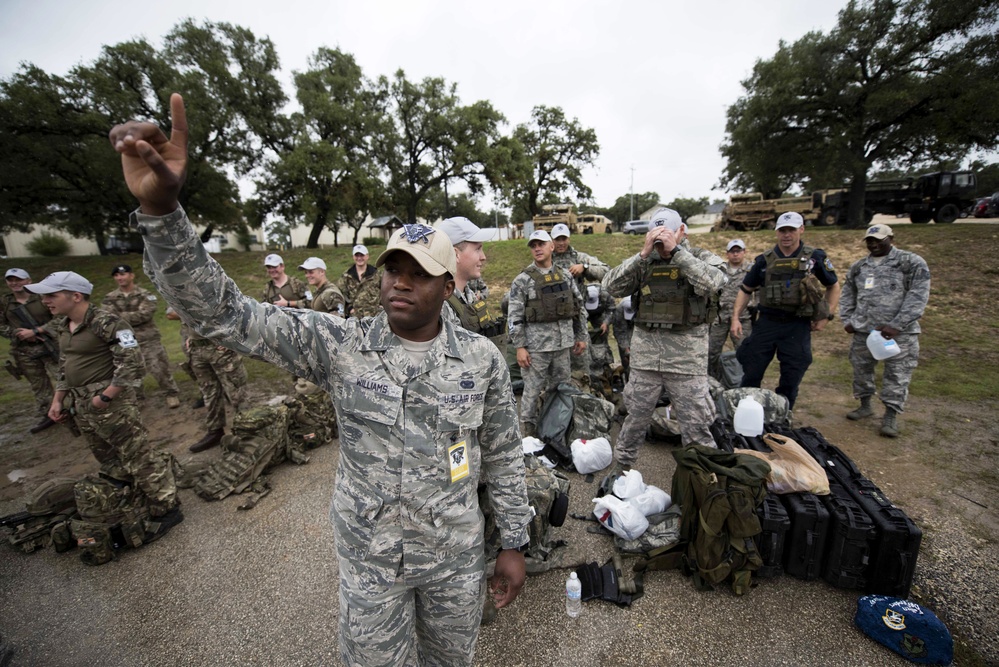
point(908, 83)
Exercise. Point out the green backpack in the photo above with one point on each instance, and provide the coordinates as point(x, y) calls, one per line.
point(718, 492)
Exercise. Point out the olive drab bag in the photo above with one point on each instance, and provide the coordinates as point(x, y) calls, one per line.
point(548, 495)
point(718, 493)
point(112, 515)
point(259, 440)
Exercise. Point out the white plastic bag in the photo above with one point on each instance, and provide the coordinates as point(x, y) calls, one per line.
point(531, 445)
point(651, 501)
point(620, 517)
point(591, 455)
point(629, 484)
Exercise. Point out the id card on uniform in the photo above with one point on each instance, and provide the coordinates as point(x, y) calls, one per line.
point(869, 282)
point(457, 455)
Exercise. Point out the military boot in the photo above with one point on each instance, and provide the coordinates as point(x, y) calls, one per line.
point(889, 425)
point(211, 439)
point(863, 411)
point(528, 430)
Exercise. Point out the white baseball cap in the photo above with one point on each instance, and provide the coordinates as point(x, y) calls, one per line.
point(592, 297)
point(359, 250)
point(461, 229)
point(432, 249)
point(313, 263)
point(666, 217)
point(17, 273)
point(273, 260)
point(790, 219)
point(561, 229)
point(629, 310)
point(539, 235)
point(736, 243)
point(60, 281)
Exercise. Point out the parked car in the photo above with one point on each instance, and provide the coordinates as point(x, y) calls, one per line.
point(987, 207)
point(635, 227)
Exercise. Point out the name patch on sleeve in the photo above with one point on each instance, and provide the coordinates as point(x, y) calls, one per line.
point(126, 338)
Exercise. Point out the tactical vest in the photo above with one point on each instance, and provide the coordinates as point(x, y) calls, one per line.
point(667, 300)
point(476, 317)
point(555, 300)
point(782, 283)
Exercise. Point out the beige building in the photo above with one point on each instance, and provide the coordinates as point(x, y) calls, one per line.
point(16, 243)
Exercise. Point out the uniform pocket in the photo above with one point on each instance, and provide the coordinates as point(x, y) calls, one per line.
point(371, 398)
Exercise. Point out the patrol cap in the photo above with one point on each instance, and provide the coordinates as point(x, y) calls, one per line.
point(790, 219)
point(121, 268)
point(629, 310)
point(592, 297)
point(666, 217)
point(313, 263)
point(60, 281)
point(359, 250)
point(539, 235)
point(17, 273)
point(879, 232)
point(561, 229)
point(735, 243)
point(433, 250)
point(461, 229)
point(273, 260)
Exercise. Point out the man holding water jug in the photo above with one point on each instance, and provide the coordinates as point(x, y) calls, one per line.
point(886, 291)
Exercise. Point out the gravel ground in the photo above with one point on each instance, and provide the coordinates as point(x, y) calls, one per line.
point(228, 587)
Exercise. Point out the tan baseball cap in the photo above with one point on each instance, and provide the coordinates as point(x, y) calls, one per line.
point(432, 249)
point(879, 232)
point(62, 281)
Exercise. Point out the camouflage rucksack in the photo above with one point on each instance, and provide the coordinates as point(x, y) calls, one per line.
point(112, 515)
point(311, 420)
point(48, 510)
point(567, 414)
point(548, 494)
point(775, 407)
point(259, 440)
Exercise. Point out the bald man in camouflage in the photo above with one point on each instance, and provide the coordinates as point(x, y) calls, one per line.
point(424, 407)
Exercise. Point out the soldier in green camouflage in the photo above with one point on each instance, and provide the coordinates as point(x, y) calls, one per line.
point(221, 376)
point(100, 366)
point(137, 306)
point(735, 268)
point(360, 286)
point(423, 406)
point(547, 325)
point(888, 291)
point(282, 290)
point(673, 287)
point(31, 346)
point(325, 296)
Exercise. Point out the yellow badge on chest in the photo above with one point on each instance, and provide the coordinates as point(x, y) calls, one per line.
point(457, 456)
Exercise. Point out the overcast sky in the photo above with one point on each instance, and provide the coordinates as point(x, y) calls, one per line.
point(653, 78)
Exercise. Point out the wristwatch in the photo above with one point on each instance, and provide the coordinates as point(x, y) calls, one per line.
point(104, 398)
point(831, 317)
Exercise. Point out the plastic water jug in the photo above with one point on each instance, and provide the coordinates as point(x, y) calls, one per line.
point(880, 347)
point(748, 420)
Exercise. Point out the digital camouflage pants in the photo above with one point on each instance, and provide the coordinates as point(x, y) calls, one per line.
point(221, 376)
point(897, 371)
point(691, 406)
point(120, 443)
point(718, 334)
point(434, 621)
point(547, 370)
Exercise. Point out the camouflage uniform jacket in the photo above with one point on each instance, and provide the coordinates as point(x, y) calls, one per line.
point(138, 308)
point(682, 352)
point(122, 350)
point(542, 336)
point(593, 269)
point(363, 295)
point(413, 440)
point(892, 292)
point(726, 300)
point(293, 290)
point(328, 299)
point(11, 322)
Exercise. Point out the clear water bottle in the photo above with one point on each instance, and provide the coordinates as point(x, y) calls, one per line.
point(573, 596)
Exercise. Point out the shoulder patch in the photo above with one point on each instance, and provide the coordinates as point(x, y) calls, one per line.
point(126, 338)
point(151, 297)
point(828, 264)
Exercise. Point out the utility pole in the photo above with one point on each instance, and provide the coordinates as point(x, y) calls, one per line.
point(632, 193)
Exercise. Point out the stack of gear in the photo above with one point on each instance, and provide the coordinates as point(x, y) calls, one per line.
point(112, 515)
point(548, 495)
point(48, 510)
